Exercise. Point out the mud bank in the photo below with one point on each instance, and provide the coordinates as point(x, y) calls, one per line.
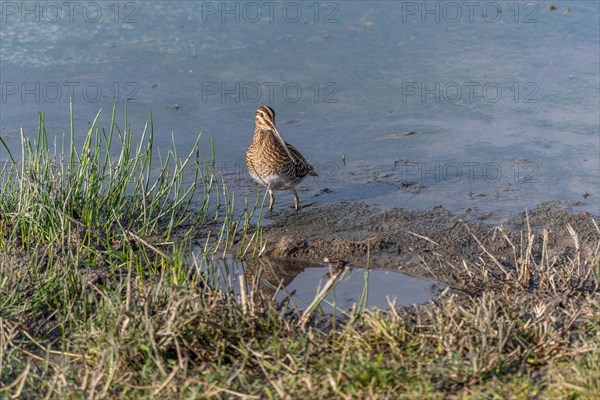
point(423, 243)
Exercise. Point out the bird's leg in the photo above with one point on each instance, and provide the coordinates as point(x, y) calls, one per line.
point(295, 200)
point(271, 200)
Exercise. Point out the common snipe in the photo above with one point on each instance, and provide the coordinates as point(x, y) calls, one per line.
point(272, 162)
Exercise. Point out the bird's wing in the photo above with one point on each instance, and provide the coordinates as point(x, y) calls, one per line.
point(303, 166)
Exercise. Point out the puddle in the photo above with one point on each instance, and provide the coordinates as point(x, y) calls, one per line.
point(383, 286)
point(298, 282)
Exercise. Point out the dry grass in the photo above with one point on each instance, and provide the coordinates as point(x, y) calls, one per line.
point(529, 331)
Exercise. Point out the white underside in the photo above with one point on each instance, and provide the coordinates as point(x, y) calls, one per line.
point(276, 182)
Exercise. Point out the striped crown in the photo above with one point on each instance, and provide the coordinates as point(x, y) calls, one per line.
point(265, 117)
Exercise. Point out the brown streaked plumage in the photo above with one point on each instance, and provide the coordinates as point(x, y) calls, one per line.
point(272, 162)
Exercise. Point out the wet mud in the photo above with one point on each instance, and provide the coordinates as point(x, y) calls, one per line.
point(423, 243)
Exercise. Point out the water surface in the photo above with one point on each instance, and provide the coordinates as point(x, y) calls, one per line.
point(366, 71)
point(297, 283)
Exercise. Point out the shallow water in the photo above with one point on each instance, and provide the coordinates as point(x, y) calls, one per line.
point(344, 78)
point(297, 283)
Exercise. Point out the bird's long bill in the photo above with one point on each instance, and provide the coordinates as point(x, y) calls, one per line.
point(289, 153)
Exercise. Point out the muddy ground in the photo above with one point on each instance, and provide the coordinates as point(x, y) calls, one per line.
point(422, 243)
